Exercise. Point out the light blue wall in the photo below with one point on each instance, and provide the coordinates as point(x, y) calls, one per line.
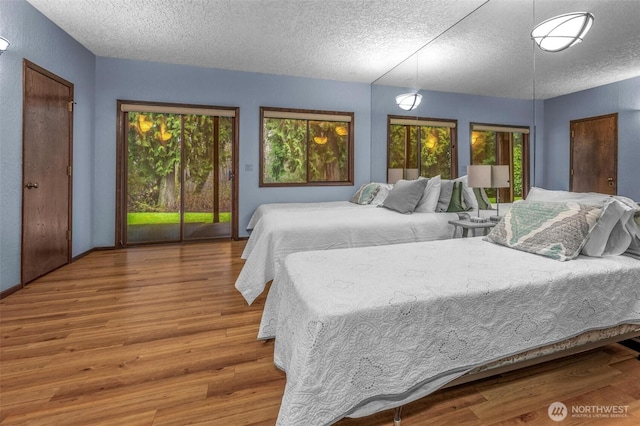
point(99, 82)
point(464, 108)
point(147, 81)
point(37, 39)
point(622, 97)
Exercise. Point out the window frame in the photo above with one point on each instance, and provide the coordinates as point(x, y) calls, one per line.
point(308, 115)
point(453, 145)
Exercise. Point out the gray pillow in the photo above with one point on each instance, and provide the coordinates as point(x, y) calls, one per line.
point(405, 195)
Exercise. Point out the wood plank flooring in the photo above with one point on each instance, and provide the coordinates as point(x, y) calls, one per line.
point(159, 336)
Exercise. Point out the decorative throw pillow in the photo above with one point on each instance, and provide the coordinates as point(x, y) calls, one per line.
point(451, 197)
point(553, 229)
point(405, 195)
point(482, 199)
point(467, 193)
point(365, 194)
point(382, 193)
point(429, 201)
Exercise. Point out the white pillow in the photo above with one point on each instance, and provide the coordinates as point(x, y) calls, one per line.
point(540, 194)
point(429, 200)
point(615, 230)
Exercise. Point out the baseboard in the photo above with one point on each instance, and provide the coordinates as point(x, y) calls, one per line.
point(10, 290)
point(83, 254)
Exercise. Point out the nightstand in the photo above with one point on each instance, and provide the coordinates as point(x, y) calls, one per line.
point(466, 224)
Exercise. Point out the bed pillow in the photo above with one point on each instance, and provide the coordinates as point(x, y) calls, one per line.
point(553, 229)
point(429, 201)
point(482, 199)
point(383, 191)
point(451, 197)
point(467, 193)
point(615, 230)
point(405, 195)
point(365, 194)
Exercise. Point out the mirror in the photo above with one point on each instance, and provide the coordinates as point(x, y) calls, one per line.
point(486, 69)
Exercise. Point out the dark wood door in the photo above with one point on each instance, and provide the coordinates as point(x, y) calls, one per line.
point(594, 154)
point(46, 172)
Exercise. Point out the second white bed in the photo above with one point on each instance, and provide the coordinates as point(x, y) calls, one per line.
point(280, 232)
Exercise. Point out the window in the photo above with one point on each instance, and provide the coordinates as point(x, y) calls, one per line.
point(503, 145)
point(300, 147)
point(422, 146)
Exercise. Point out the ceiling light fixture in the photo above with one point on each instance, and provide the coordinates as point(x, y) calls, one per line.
point(4, 44)
point(562, 31)
point(409, 101)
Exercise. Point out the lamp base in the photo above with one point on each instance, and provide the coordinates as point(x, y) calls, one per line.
point(495, 219)
point(477, 219)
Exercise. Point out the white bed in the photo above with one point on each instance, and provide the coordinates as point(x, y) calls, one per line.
point(282, 229)
point(360, 330)
point(264, 209)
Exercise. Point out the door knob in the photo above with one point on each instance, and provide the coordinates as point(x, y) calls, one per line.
point(610, 180)
point(30, 185)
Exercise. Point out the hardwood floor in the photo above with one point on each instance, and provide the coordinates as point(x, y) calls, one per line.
point(159, 336)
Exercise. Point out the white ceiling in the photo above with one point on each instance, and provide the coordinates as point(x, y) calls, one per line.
point(488, 53)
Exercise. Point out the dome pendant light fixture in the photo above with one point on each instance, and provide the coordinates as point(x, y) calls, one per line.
point(562, 31)
point(409, 101)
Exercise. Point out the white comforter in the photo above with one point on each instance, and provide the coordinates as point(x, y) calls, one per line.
point(263, 209)
point(361, 330)
point(280, 233)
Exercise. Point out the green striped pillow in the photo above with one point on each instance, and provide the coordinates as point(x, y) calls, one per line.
point(553, 229)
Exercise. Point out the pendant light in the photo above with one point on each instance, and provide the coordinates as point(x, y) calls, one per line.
point(409, 101)
point(562, 31)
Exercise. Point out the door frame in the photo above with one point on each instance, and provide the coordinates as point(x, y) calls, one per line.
point(26, 64)
point(613, 115)
point(121, 164)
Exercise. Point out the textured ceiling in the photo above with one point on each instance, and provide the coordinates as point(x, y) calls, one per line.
point(489, 52)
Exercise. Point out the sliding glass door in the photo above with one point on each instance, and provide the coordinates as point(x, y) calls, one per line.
point(178, 176)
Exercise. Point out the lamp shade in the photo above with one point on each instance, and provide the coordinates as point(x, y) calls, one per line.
point(394, 175)
point(562, 31)
point(500, 176)
point(485, 176)
point(409, 101)
point(411, 174)
point(479, 176)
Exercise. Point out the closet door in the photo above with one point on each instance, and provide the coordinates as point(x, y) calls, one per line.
point(46, 172)
point(594, 154)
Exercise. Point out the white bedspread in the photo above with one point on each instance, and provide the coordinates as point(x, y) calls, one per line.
point(361, 330)
point(288, 207)
point(278, 234)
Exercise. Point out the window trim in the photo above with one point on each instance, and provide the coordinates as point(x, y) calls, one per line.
point(405, 120)
point(309, 115)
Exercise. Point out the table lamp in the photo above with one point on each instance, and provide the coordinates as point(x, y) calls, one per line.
point(486, 176)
